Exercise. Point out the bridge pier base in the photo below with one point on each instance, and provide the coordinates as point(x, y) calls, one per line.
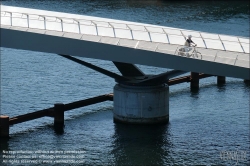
point(194, 83)
point(58, 116)
point(4, 126)
point(221, 80)
point(141, 104)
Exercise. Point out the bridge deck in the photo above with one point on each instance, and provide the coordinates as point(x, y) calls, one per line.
point(122, 41)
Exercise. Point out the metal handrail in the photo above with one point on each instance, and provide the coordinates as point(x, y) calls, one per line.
point(148, 33)
point(127, 27)
point(61, 22)
point(79, 27)
point(183, 35)
point(131, 31)
point(203, 40)
point(113, 28)
point(241, 45)
point(10, 17)
point(27, 16)
point(95, 27)
point(166, 35)
point(222, 43)
point(119, 23)
point(44, 21)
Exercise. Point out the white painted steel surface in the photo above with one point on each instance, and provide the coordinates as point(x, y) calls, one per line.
point(222, 49)
point(141, 104)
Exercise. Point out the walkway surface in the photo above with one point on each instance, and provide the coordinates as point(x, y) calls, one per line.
point(123, 41)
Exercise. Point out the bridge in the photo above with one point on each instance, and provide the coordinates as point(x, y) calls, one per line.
point(138, 97)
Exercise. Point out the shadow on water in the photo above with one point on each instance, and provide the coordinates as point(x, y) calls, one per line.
point(140, 145)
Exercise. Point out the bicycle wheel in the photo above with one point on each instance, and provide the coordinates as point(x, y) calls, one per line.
point(198, 55)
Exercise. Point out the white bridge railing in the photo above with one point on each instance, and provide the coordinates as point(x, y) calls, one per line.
point(127, 31)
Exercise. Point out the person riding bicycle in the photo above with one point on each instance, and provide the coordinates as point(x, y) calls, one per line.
point(189, 41)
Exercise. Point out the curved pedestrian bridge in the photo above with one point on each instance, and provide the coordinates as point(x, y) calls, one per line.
point(122, 41)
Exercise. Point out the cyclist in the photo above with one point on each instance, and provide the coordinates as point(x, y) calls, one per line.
point(189, 41)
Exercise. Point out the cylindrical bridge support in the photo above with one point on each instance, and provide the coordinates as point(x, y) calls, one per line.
point(221, 80)
point(4, 126)
point(194, 83)
point(58, 116)
point(141, 104)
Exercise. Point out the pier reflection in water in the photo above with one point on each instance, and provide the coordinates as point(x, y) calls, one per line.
point(141, 144)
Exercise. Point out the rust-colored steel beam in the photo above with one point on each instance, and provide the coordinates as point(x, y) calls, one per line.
point(185, 79)
point(29, 116)
point(50, 111)
point(86, 102)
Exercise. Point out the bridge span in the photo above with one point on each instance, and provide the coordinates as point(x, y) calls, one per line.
point(138, 97)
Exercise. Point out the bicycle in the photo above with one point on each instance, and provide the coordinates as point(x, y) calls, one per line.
point(196, 53)
point(189, 51)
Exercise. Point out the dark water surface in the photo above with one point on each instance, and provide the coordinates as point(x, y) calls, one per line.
point(202, 124)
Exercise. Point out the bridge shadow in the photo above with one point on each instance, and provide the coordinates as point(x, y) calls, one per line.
point(140, 144)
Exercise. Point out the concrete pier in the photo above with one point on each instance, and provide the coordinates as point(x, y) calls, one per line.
point(141, 104)
point(58, 116)
point(221, 80)
point(4, 126)
point(194, 83)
